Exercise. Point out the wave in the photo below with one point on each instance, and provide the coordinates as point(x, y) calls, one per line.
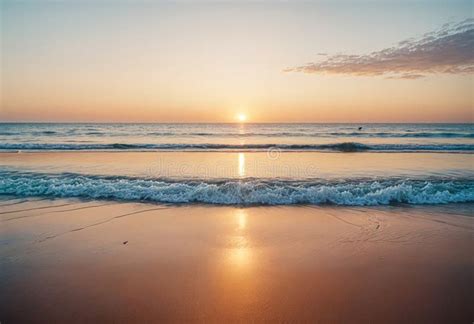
point(338, 147)
point(260, 134)
point(9, 133)
point(362, 192)
point(96, 133)
point(47, 133)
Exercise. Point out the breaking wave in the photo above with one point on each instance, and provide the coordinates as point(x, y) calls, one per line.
point(362, 192)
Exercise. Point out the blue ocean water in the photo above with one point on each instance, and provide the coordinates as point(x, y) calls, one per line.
point(316, 137)
point(359, 164)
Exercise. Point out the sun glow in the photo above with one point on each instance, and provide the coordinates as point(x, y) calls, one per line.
point(241, 118)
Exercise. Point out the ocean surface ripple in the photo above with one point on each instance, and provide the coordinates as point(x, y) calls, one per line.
point(249, 137)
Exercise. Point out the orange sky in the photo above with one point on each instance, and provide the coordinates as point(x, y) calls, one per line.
point(208, 63)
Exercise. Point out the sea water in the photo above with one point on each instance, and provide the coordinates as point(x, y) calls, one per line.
point(241, 164)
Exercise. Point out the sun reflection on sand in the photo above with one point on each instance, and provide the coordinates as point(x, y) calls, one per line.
point(237, 276)
point(242, 216)
point(240, 252)
point(240, 255)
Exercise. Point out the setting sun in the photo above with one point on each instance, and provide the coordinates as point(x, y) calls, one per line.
point(241, 117)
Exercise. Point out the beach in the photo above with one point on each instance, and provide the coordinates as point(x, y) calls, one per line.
point(68, 260)
point(122, 230)
point(236, 162)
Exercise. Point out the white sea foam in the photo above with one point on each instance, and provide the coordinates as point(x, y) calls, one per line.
point(233, 192)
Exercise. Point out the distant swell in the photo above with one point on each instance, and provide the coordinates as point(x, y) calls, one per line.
point(268, 134)
point(322, 134)
point(339, 147)
point(233, 192)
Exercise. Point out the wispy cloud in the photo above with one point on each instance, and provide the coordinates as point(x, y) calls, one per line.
point(449, 49)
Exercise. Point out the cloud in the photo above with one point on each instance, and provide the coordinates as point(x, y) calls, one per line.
point(448, 50)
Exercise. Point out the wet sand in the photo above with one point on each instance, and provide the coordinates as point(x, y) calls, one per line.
point(97, 261)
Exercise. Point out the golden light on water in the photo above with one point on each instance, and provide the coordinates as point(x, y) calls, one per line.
point(241, 165)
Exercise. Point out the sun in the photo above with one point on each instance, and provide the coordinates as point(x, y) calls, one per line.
point(241, 117)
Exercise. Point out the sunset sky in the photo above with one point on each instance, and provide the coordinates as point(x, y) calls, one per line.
point(272, 61)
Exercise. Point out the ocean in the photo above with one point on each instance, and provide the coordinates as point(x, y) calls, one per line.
point(248, 137)
point(241, 164)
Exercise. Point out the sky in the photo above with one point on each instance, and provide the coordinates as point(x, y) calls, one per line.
point(272, 61)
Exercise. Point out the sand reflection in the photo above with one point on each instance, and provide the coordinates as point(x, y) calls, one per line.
point(242, 219)
point(239, 252)
point(237, 279)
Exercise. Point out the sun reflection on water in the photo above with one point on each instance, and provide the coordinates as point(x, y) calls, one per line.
point(241, 165)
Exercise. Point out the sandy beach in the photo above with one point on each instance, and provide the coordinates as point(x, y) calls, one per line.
point(68, 260)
